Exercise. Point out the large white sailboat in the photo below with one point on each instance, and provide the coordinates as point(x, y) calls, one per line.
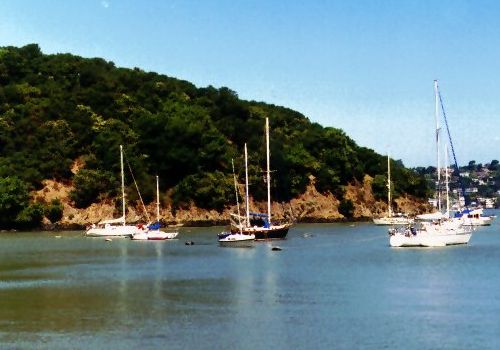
point(114, 227)
point(435, 229)
point(391, 218)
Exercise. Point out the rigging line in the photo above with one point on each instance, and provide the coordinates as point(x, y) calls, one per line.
point(138, 192)
point(462, 186)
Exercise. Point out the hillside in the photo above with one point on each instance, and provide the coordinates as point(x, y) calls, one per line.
point(63, 117)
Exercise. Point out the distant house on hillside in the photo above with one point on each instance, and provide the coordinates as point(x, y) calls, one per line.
point(471, 190)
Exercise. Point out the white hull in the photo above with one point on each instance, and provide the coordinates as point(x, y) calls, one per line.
point(112, 231)
point(481, 221)
point(429, 240)
point(237, 238)
point(155, 235)
point(430, 234)
point(392, 220)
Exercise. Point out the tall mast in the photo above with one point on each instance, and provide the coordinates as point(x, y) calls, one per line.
point(246, 187)
point(389, 185)
point(268, 174)
point(236, 192)
point(447, 163)
point(438, 161)
point(123, 183)
point(157, 200)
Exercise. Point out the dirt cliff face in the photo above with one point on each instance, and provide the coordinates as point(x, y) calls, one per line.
point(311, 206)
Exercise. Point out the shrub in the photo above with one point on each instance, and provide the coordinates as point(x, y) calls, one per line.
point(346, 208)
point(54, 211)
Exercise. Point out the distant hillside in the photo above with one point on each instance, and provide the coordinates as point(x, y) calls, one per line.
point(59, 111)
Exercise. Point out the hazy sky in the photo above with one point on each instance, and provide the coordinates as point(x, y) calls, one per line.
point(366, 67)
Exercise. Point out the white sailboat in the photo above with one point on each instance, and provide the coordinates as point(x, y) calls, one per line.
point(238, 237)
point(114, 227)
point(152, 232)
point(437, 230)
point(391, 218)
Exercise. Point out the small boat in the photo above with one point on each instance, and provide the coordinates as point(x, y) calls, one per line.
point(152, 232)
point(230, 237)
point(474, 217)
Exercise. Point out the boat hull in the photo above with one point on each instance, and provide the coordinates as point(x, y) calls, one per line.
point(112, 231)
point(236, 239)
point(392, 221)
point(262, 233)
point(429, 240)
point(154, 236)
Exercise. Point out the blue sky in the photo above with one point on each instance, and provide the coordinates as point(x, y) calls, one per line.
point(366, 67)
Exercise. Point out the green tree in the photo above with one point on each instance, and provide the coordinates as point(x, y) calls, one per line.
point(14, 197)
point(90, 184)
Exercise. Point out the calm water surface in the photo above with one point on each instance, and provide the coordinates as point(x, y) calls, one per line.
point(341, 288)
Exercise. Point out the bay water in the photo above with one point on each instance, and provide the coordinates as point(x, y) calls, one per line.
point(332, 286)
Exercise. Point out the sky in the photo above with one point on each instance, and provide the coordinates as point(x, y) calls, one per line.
point(366, 67)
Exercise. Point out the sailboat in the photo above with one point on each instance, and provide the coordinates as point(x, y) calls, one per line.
point(152, 231)
point(114, 227)
point(260, 224)
point(231, 237)
point(435, 229)
point(391, 218)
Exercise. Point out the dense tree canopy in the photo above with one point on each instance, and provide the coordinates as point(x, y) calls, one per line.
point(55, 109)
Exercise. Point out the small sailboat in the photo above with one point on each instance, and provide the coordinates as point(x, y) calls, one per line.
point(435, 229)
point(152, 232)
point(391, 218)
point(235, 238)
point(260, 224)
point(114, 227)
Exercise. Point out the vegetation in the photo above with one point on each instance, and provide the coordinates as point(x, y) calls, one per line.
point(55, 109)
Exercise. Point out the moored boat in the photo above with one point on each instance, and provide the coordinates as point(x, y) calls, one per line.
point(114, 227)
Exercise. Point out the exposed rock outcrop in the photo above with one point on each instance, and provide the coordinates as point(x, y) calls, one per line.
point(311, 206)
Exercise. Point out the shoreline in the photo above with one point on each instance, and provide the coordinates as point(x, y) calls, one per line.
point(195, 223)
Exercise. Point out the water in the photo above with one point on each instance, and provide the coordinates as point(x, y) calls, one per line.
point(341, 288)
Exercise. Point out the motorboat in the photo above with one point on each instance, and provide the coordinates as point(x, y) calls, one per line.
point(230, 238)
point(474, 217)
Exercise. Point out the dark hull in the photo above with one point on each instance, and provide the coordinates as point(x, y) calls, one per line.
point(265, 234)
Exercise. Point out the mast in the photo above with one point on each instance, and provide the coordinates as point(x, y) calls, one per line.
point(438, 161)
point(268, 174)
point(389, 185)
point(123, 183)
point(447, 164)
point(157, 200)
point(246, 187)
point(236, 192)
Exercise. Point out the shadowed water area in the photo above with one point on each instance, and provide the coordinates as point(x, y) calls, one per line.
point(332, 286)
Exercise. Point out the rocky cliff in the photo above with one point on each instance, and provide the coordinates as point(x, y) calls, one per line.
point(311, 206)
